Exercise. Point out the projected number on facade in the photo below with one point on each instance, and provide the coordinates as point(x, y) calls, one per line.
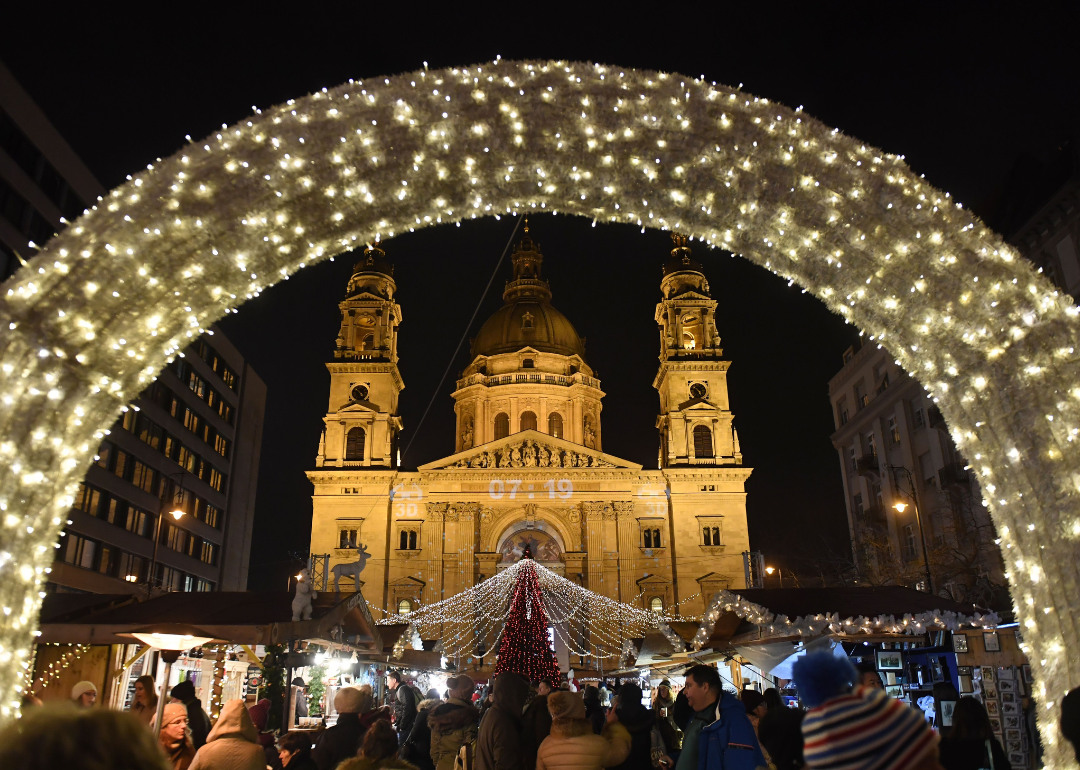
point(563, 489)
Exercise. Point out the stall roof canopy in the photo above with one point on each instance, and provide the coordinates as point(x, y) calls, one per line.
point(240, 617)
point(807, 612)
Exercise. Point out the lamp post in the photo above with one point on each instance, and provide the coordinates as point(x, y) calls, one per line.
point(901, 507)
point(170, 639)
point(778, 572)
point(177, 513)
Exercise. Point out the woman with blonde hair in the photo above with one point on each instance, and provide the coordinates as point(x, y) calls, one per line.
point(144, 705)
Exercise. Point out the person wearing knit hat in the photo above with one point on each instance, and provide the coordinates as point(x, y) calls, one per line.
point(849, 727)
point(356, 711)
point(175, 736)
point(572, 744)
point(84, 694)
point(454, 723)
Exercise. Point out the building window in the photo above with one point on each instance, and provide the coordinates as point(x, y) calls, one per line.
point(555, 425)
point(404, 607)
point(854, 460)
point(871, 445)
point(527, 364)
point(857, 506)
point(347, 538)
point(909, 541)
point(702, 441)
point(894, 431)
point(711, 536)
point(688, 341)
point(842, 412)
point(369, 342)
point(656, 604)
point(502, 425)
point(527, 421)
point(651, 538)
point(80, 551)
point(919, 418)
point(926, 468)
point(407, 540)
point(861, 397)
point(354, 444)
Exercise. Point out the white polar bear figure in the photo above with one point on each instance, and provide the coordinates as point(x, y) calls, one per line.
point(301, 603)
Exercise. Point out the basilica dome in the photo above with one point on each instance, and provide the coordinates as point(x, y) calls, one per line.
point(527, 319)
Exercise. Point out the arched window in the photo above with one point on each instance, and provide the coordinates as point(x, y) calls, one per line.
point(708, 536)
point(555, 425)
point(502, 425)
point(527, 421)
point(656, 538)
point(404, 607)
point(369, 342)
point(354, 444)
point(688, 342)
point(716, 536)
point(407, 540)
point(404, 540)
point(656, 604)
point(648, 538)
point(702, 441)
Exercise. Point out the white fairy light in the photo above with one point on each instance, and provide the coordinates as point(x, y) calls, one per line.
point(866, 216)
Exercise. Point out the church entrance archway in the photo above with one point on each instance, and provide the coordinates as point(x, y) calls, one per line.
point(96, 315)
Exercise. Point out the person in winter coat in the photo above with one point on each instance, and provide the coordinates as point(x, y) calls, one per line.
point(639, 722)
point(356, 713)
point(719, 736)
point(198, 721)
point(664, 709)
point(453, 723)
point(573, 745)
point(144, 705)
point(379, 751)
point(536, 723)
point(260, 714)
point(498, 745)
point(175, 737)
point(971, 744)
point(594, 711)
point(404, 704)
point(417, 747)
point(780, 733)
point(294, 751)
point(233, 743)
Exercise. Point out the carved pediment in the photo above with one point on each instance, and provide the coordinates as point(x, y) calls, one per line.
point(363, 407)
point(530, 449)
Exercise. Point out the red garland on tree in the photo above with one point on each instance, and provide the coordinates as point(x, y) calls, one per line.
point(524, 648)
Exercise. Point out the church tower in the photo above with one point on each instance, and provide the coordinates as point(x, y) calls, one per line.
point(695, 421)
point(362, 422)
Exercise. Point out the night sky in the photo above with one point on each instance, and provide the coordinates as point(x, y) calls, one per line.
point(967, 99)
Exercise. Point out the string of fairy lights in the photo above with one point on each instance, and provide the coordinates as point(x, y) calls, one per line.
point(104, 305)
point(53, 671)
point(471, 623)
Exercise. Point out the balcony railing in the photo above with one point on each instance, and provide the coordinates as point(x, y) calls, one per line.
point(537, 378)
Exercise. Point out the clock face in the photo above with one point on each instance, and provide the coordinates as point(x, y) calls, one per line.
point(360, 393)
point(697, 390)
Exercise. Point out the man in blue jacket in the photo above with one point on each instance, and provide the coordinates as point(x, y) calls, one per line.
point(719, 735)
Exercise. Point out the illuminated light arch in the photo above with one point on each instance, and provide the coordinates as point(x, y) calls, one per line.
point(97, 314)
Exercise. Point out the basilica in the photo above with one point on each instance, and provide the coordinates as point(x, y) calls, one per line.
point(531, 470)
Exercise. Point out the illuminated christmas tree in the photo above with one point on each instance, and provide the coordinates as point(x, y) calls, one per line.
point(524, 648)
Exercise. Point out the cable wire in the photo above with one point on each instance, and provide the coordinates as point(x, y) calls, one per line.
point(453, 358)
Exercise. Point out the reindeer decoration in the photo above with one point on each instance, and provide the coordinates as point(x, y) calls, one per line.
point(352, 570)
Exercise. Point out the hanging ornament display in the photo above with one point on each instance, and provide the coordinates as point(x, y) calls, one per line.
point(472, 623)
point(525, 648)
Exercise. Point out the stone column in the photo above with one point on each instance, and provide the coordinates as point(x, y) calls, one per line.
point(628, 550)
point(478, 422)
point(594, 544)
point(467, 526)
point(433, 563)
point(542, 418)
point(515, 425)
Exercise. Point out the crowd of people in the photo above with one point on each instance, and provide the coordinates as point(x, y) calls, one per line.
point(514, 724)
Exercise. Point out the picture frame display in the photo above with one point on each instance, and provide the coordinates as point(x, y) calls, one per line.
point(1006, 685)
point(895, 691)
point(890, 660)
point(1010, 708)
point(1026, 669)
point(995, 726)
point(992, 708)
point(1017, 758)
point(987, 673)
point(947, 709)
point(960, 643)
point(991, 643)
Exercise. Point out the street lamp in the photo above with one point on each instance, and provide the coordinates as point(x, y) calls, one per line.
point(177, 513)
point(170, 639)
point(900, 508)
point(778, 572)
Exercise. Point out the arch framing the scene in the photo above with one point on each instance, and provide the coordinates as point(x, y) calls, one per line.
point(96, 315)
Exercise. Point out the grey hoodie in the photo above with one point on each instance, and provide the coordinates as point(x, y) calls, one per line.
point(232, 744)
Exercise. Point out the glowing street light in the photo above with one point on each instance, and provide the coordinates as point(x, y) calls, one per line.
point(170, 639)
point(778, 572)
